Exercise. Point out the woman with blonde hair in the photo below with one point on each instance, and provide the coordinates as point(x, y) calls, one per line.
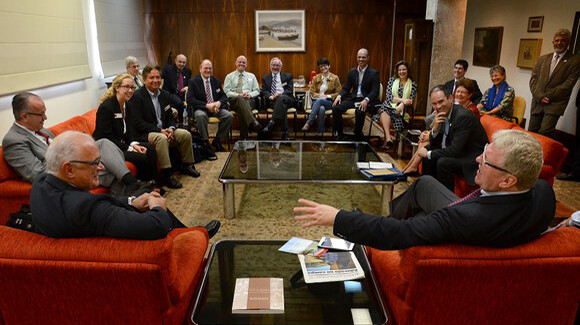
point(111, 124)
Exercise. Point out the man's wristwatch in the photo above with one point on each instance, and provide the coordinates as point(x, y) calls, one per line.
point(130, 199)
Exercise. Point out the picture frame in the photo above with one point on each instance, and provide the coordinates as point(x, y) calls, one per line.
point(575, 41)
point(529, 52)
point(535, 24)
point(487, 46)
point(280, 31)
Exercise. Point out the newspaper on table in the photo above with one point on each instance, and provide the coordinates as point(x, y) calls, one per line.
point(330, 267)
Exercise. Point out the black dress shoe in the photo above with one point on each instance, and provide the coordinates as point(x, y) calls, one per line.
point(190, 170)
point(569, 177)
point(212, 228)
point(138, 186)
point(218, 145)
point(412, 174)
point(172, 182)
point(285, 136)
point(256, 127)
point(209, 152)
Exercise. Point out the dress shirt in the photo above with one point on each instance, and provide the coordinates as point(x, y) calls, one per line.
point(250, 84)
point(39, 137)
point(279, 87)
point(157, 105)
point(361, 74)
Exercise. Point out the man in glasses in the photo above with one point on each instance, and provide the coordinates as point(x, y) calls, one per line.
point(62, 205)
point(511, 207)
point(25, 145)
point(457, 137)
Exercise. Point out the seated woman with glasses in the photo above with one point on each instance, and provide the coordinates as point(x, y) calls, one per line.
point(401, 91)
point(324, 89)
point(499, 99)
point(111, 117)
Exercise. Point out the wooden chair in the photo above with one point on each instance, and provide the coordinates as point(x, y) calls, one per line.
point(519, 110)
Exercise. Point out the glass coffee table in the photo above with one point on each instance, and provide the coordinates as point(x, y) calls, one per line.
point(336, 303)
point(284, 162)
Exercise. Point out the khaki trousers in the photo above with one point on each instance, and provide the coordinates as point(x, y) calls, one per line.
point(182, 141)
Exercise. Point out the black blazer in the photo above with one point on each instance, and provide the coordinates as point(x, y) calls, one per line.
point(141, 114)
point(465, 140)
point(169, 75)
point(496, 221)
point(475, 98)
point(370, 84)
point(287, 84)
point(196, 98)
point(110, 124)
point(61, 210)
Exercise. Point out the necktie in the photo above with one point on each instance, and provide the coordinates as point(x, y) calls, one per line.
point(208, 92)
point(273, 90)
point(240, 83)
point(157, 110)
point(45, 136)
point(445, 132)
point(454, 85)
point(137, 81)
point(179, 81)
point(472, 195)
point(554, 63)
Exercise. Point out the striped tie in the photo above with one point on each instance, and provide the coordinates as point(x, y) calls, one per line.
point(240, 84)
point(472, 195)
point(208, 92)
point(273, 90)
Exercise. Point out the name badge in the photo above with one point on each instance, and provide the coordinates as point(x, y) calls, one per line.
point(166, 108)
point(218, 90)
point(118, 115)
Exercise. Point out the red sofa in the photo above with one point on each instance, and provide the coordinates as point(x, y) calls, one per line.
point(534, 283)
point(99, 280)
point(554, 152)
point(14, 191)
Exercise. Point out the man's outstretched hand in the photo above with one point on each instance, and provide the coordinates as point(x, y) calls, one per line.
point(316, 214)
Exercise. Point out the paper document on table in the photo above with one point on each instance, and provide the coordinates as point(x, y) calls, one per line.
point(331, 267)
point(379, 165)
point(302, 246)
point(381, 172)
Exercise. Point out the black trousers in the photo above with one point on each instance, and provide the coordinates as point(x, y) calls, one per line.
point(146, 163)
point(444, 170)
point(281, 105)
point(346, 104)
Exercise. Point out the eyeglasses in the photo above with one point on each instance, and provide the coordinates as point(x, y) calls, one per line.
point(36, 114)
point(323, 66)
point(95, 162)
point(490, 164)
point(127, 87)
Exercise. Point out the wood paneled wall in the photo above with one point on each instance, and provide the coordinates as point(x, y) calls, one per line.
point(223, 29)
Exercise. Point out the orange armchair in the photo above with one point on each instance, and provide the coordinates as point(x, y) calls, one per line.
point(534, 283)
point(98, 280)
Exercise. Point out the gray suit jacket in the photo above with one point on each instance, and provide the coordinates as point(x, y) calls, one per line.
point(556, 87)
point(25, 152)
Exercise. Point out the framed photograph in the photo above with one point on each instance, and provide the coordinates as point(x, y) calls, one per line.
point(575, 41)
point(529, 52)
point(535, 24)
point(280, 31)
point(487, 46)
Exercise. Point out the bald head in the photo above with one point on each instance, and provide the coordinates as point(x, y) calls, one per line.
point(362, 58)
point(206, 68)
point(241, 63)
point(180, 61)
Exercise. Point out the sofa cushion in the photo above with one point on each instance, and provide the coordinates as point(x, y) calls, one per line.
point(6, 172)
point(76, 123)
point(91, 119)
point(493, 124)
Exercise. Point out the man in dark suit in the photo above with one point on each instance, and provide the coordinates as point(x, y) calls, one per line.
point(459, 70)
point(207, 98)
point(62, 206)
point(361, 91)
point(456, 139)
point(25, 145)
point(278, 89)
point(151, 119)
point(176, 77)
point(511, 207)
point(552, 81)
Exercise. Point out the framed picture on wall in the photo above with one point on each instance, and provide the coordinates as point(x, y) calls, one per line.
point(487, 46)
point(529, 52)
point(280, 31)
point(575, 41)
point(535, 24)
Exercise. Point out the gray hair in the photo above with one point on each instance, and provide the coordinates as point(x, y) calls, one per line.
point(497, 68)
point(276, 58)
point(523, 156)
point(65, 147)
point(130, 60)
point(563, 32)
point(21, 103)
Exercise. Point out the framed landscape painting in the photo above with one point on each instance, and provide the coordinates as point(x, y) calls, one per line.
point(280, 31)
point(487, 46)
point(529, 52)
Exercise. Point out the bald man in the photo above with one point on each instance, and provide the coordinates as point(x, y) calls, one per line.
point(242, 89)
point(176, 76)
point(206, 98)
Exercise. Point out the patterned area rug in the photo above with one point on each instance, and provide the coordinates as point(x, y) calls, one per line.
point(264, 211)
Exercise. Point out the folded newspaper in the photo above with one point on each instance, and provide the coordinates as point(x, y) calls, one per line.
point(331, 267)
